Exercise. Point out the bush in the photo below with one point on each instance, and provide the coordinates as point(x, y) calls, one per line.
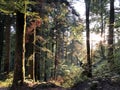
point(102, 70)
point(71, 75)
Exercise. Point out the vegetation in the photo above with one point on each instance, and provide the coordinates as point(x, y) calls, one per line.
point(47, 44)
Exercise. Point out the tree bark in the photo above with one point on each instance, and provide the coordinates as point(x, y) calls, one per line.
point(102, 31)
point(2, 17)
point(111, 35)
point(18, 78)
point(33, 70)
point(7, 45)
point(89, 63)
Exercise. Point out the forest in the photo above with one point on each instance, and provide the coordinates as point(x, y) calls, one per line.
point(52, 45)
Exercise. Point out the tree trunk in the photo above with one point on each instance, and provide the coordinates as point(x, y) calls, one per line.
point(2, 17)
point(7, 45)
point(111, 35)
point(33, 65)
point(18, 78)
point(37, 68)
point(89, 66)
point(56, 59)
point(102, 31)
point(45, 66)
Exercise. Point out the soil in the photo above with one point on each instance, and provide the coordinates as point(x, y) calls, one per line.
point(93, 84)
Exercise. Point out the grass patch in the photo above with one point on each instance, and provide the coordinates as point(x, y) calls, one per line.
point(6, 80)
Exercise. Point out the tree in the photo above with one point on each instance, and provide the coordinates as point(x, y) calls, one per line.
point(19, 65)
point(57, 20)
point(19, 68)
point(89, 63)
point(2, 21)
point(102, 28)
point(18, 78)
point(111, 35)
point(7, 45)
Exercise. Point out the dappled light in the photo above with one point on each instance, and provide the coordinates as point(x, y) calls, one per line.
point(95, 40)
point(59, 45)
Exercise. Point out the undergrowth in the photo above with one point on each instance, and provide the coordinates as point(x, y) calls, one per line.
point(6, 80)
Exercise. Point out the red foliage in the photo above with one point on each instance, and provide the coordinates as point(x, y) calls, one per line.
point(31, 28)
point(38, 22)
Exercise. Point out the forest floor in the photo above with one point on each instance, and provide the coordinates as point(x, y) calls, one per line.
point(99, 84)
point(96, 83)
point(93, 84)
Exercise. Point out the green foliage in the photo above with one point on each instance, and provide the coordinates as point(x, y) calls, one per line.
point(77, 31)
point(71, 74)
point(102, 70)
point(98, 6)
point(117, 21)
point(7, 6)
point(116, 68)
point(10, 6)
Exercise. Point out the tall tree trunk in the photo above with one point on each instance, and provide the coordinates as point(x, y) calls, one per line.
point(18, 78)
point(56, 58)
point(89, 63)
point(37, 67)
point(45, 65)
point(111, 35)
point(7, 45)
point(46, 58)
point(102, 30)
point(63, 45)
point(53, 54)
point(33, 66)
point(2, 17)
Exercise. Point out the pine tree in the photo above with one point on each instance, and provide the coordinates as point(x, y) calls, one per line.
point(111, 36)
point(89, 63)
point(2, 22)
point(18, 78)
point(7, 45)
